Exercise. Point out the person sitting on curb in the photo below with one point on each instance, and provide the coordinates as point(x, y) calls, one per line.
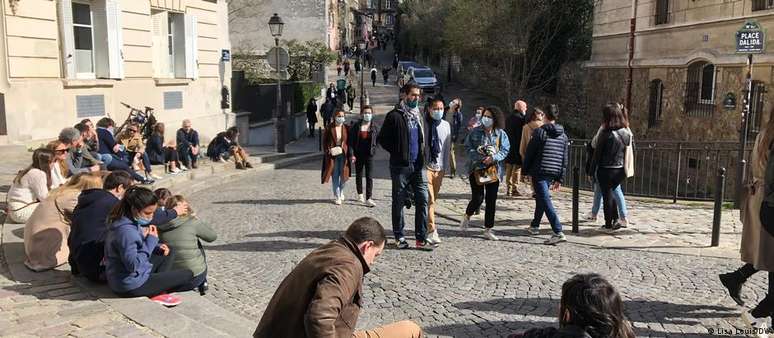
point(79, 159)
point(590, 308)
point(183, 234)
point(163, 194)
point(88, 227)
point(226, 145)
point(116, 151)
point(136, 264)
point(322, 296)
point(30, 186)
point(188, 145)
point(131, 139)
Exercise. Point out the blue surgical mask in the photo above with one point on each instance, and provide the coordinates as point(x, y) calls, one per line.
point(368, 117)
point(412, 104)
point(436, 115)
point(142, 221)
point(487, 121)
point(340, 120)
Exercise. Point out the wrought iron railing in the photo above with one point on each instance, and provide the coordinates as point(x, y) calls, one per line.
point(670, 170)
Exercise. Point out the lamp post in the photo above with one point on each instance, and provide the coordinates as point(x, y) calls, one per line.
point(362, 47)
point(275, 26)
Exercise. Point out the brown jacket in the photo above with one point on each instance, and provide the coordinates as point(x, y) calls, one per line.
point(321, 297)
point(329, 141)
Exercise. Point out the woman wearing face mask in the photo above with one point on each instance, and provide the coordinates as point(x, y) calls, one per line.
point(336, 167)
point(486, 146)
point(362, 141)
point(137, 265)
point(475, 121)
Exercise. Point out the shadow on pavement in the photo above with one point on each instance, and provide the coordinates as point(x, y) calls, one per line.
point(324, 234)
point(263, 246)
point(276, 202)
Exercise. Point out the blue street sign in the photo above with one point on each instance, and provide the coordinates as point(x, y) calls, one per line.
point(751, 39)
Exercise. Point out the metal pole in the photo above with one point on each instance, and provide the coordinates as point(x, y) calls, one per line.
point(720, 191)
point(279, 127)
point(575, 198)
point(362, 100)
point(742, 167)
point(319, 137)
point(679, 166)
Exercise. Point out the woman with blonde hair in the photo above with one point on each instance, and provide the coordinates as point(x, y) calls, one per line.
point(58, 167)
point(30, 186)
point(47, 229)
point(757, 247)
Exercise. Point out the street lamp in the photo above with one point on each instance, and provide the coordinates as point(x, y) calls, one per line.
point(362, 47)
point(275, 26)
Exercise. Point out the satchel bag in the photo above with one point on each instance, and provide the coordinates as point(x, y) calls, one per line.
point(336, 151)
point(488, 174)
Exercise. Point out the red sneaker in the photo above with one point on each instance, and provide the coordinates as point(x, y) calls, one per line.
point(167, 300)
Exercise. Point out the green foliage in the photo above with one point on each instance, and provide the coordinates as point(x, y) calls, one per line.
point(303, 92)
point(307, 57)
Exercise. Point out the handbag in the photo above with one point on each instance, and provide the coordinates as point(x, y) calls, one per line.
point(336, 151)
point(488, 174)
point(628, 156)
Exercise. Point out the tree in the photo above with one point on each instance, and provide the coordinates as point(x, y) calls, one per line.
point(307, 57)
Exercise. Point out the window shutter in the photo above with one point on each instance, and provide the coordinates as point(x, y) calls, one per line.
point(67, 38)
point(115, 41)
point(191, 47)
point(160, 67)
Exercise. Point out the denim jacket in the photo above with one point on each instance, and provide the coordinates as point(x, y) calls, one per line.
point(478, 137)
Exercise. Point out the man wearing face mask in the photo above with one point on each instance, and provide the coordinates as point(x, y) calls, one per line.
point(438, 136)
point(362, 142)
point(322, 296)
point(403, 138)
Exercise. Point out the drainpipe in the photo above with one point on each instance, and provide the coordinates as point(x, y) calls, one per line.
point(630, 67)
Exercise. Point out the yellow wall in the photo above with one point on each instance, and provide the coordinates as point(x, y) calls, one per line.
point(39, 102)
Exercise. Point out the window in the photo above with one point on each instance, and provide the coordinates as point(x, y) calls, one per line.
point(762, 5)
point(390, 19)
point(84, 40)
point(700, 89)
point(174, 45)
point(662, 12)
point(91, 39)
point(756, 108)
point(388, 4)
point(656, 103)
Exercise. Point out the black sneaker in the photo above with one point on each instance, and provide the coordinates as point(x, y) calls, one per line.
point(616, 226)
point(203, 288)
point(733, 286)
point(402, 244)
point(407, 203)
point(425, 246)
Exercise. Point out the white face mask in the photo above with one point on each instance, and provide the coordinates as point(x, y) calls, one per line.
point(368, 117)
point(340, 120)
point(487, 121)
point(436, 115)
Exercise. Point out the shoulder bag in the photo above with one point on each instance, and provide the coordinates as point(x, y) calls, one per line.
point(488, 174)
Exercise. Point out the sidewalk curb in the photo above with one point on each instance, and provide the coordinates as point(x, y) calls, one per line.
point(213, 320)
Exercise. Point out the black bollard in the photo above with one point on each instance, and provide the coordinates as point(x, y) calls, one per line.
point(720, 191)
point(575, 198)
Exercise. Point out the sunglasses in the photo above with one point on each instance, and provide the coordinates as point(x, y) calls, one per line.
point(60, 151)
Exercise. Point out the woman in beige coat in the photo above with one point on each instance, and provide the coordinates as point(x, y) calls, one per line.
point(46, 231)
point(757, 248)
point(535, 119)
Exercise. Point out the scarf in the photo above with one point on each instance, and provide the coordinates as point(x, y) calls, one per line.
point(435, 140)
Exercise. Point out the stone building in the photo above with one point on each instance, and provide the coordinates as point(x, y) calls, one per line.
point(385, 13)
point(330, 21)
point(685, 65)
point(65, 60)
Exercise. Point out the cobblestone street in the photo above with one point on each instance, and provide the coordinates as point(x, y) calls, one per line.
point(468, 286)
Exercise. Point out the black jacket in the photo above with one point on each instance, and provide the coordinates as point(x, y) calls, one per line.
point(186, 140)
point(106, 141)
point(219, 145)
point(513, 127)
point(89, 218)
point(311, 112)
point(569, 331)
point(327, 110)
point(394, 138)
point(546, 154)
point(155, 149)
point(354, 138)
point(610, 150)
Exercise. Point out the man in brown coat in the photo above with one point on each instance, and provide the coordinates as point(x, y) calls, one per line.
point(322, 296)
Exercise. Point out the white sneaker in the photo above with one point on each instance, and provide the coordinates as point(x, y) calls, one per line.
point(760, 325)
point(489, 234)
point(464, 222)
point(556, 238)
point(433, 238)
point(361, 198)
point(221, 160)
point(183, 168)
point(154, 176)
point(534, 231)
point(337, 201)
point(623, 222)
point(175, 171)
point(590, 217)
point(370, 203)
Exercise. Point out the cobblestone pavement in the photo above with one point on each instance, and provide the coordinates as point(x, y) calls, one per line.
point(467, 287)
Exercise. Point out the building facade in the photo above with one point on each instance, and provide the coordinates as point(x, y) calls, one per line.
point(685, 69)
point(65, 60)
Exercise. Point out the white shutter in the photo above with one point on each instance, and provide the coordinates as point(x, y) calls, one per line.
point(115, 40)
point(67, 38)
point(100, 39)
point(159, 49)
point(191, 47)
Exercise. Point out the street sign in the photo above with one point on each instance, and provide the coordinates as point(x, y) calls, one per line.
point(750, 39)
point(225, 55)
point(284, 58)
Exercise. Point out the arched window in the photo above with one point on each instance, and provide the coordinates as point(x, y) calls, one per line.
point(655, 105)
point(700, 89)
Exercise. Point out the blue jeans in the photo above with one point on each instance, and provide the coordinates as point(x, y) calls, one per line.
point(544, 205)
point(619, 199)
point(337, 185)
point(404, 178)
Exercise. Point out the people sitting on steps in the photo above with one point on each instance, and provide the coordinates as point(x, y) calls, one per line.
point(30, 186)
point(188, 145)
point(131, 139)
point(160, 152)
point(225, 146)
point(109, 146)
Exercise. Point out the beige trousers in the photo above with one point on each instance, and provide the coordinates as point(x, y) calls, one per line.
point(402, 329)
point(434, 181)
point(512, 178)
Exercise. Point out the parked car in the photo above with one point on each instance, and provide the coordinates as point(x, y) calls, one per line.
point(403, 66)
point(425, 78)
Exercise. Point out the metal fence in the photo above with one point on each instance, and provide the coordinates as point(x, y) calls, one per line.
point(672, 170)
